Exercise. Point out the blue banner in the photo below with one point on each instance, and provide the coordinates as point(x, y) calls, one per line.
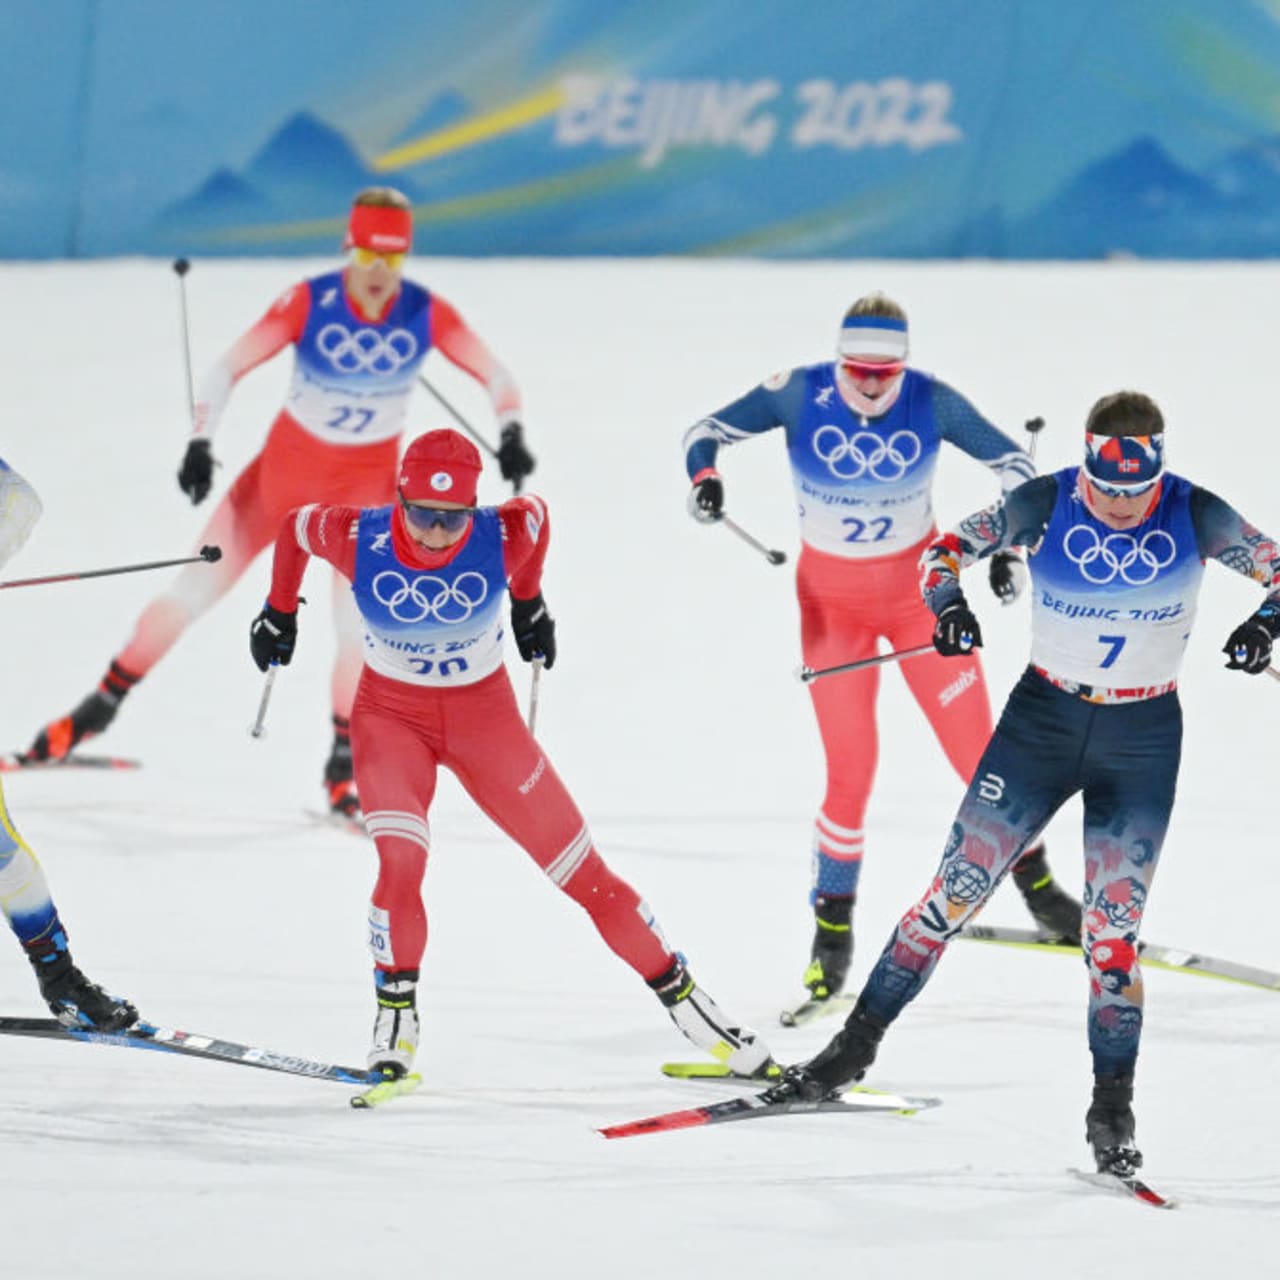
point(912, 128)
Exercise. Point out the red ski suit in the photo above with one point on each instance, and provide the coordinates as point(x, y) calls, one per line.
point(402, 732)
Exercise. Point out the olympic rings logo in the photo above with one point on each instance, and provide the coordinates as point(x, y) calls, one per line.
point(428, 596)
point(1101, 559)
point(865, 454)
point(366, 350)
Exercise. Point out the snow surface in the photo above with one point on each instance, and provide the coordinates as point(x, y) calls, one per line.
point(199, 886)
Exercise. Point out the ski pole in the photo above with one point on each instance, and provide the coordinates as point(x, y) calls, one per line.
point(259, 729)
point(208, 554)
point(533, 692)
point(460, 420)
point(181, 266)
point(1273, 673)
point(809, 674)
point(773, 557)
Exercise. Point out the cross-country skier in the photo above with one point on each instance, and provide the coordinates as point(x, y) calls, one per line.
point(1117, 551)
point(24, 891)
point(429, 574)
point(360, 336)
point(863, 438)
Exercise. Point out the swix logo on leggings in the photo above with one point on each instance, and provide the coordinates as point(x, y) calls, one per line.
point(437, 627)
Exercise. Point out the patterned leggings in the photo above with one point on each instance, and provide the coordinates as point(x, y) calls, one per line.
point(1048, 745)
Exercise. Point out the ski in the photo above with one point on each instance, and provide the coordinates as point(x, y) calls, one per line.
point(1152, 954)
point(1126, 1184)
point(385, 1090)
point(339, 821)
point(760, 1105)
point(810, 1010)
point(143, 1035)
point(15, 762)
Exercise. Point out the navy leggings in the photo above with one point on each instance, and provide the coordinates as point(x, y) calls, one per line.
point(1048, 745)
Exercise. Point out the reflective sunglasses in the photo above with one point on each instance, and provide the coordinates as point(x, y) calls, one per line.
point(367, 257)
point(450, 519)
point(873, 368)
point(1135, 490)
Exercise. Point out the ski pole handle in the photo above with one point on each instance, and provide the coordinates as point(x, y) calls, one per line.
point(773, 557)
point(207, 554)
point(809, 674)
point(1033, 427)
point(259, 728)
point(533, 693)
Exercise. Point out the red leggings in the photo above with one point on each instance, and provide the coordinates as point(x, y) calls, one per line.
point(845, 607)
point(400, 735)
point(294, 468)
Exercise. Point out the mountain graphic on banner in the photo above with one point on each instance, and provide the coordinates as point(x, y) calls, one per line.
point(305, 170)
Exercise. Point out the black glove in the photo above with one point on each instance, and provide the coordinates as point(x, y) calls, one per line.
point(272, 637)
point(514, 460)
point(195, 477)
point(956, 632)
point(534, 629)
point(1007, 575)
point(1248, 647)
point(706, 499)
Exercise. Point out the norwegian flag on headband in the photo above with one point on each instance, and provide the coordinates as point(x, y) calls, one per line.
point(1124, 460)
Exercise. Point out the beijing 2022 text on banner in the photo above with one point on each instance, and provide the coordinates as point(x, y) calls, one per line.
point(914, 128)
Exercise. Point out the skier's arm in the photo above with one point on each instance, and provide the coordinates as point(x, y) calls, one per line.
point(962, 425)
point(760, 410)
point(1017, 520)
point(459, 343)
point(325, 531)
point(1224, 535)
point(526, 535)
point(20, 508)
point(283, 324)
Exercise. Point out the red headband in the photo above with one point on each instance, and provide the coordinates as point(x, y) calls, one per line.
point(380, 228)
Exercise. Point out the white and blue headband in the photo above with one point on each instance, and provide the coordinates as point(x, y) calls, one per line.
point(876, 336)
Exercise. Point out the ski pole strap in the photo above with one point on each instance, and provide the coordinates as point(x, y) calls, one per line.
point(809, 674)
point(459, 419)
point(207, 554)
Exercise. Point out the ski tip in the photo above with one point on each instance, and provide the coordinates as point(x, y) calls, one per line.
point(15, 762)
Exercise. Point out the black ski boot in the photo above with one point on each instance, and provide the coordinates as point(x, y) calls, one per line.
point(91, 716)
point(339, 773)
point(1055, 911)
point(844, 1061)
point(832, 950)
point(74, 1000)
point(1109, 1125)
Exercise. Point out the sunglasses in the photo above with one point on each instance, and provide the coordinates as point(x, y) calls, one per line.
point(367, 257)
point(873, 368)
point(450, 519)
point(1124, 490)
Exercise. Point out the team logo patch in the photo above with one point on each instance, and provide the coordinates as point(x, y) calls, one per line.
point(441, 481)
point(776, 381)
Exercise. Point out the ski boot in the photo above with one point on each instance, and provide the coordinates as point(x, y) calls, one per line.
point(395, 1028)
point(1054, 910)
point(339, 773)
point(92, 716)
point(702, 1021)
point(74, 1000)
point(832, 946)
point(1109, 1126)
point(844, 1061)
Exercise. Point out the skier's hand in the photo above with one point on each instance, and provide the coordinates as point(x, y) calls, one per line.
point(195, 476)
point(534, 630)
point(1248, 647)
point(1007, 575)
point(272, 637)
point(514, 460)
point(956, 632)
point(706, 499)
